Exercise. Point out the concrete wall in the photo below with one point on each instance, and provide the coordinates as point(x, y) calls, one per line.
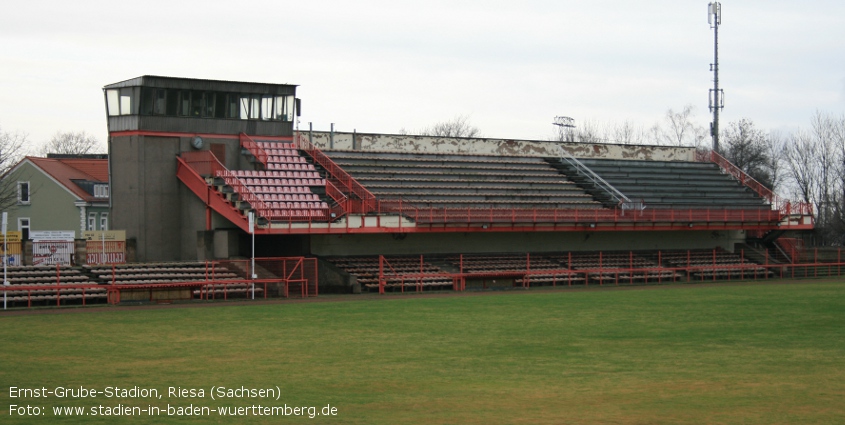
point(150, 202)
point(455, 243)
point(483, 146)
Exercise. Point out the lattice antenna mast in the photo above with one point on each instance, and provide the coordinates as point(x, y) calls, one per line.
point(717, 95)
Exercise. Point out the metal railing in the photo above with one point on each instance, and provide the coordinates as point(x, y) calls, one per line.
point(621, 200)
point(785, 206)
point(615, 268)
point(207, 165)
point(254, 148)
point(360, 200)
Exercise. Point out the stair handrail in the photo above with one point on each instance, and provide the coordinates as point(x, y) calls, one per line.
point(785, 206)
point(335, 172)
point(254, 148)
point(623, 201)
point(206, 163)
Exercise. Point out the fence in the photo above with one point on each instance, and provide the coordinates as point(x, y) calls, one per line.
point(612, 268)
point(299, 273)
point(156, 282)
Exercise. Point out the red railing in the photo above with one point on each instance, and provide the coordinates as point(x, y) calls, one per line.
point(340, 199)
point(492, 215)
point(244, 193)
point(203, 162)
point(785, 206)
point(296, 271)
point(365, 202)
point(254, 148)
point(190, 175)
point(206, 164)
point(297, 275)
point(659, 267)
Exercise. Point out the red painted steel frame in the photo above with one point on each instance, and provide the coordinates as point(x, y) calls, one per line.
point(350, 197)
point(710, 269)
point(299, 272)
point(785, 206)
point(360, 199)
point(254, 148)
point(204, 163)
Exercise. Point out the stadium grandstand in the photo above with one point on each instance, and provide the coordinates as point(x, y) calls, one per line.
point(191, 160)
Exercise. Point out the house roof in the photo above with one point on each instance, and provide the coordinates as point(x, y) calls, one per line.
point(65, 170)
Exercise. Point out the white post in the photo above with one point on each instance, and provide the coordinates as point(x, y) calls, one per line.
point(5, 255)
point(252, 254)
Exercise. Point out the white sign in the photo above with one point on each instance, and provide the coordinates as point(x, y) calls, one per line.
point(52, 235)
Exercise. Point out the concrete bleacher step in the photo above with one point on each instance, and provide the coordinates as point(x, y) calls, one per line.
point(666, 184)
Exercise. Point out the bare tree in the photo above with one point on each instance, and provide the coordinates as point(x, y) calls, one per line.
point(72, 143)
point(776, 147)
point(680, 130)
point(589, 132)
point(12, 150)
point(627, 134)
point(800, 158)
point(748, 148)
point(459, 126)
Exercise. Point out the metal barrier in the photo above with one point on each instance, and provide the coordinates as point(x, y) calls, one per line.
point(621, 200)
point(612, 268)
point(282, 277)
point(785, 206)
point(254, 148)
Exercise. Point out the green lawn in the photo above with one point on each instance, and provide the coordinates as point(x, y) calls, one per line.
point(741, 354)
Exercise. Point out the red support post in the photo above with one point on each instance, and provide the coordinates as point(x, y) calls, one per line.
point(381, 274)
point(601, 269)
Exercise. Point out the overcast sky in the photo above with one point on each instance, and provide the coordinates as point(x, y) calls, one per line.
point(380, 66)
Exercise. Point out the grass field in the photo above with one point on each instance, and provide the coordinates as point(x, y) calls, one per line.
point(737, 354)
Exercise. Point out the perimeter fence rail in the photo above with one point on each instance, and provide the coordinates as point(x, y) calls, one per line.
point(600, 268)
point(61, 285)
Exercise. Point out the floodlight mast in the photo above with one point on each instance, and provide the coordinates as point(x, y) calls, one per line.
point(566, 125)
point(717, 95)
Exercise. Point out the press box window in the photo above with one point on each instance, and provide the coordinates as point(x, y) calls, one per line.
point(119, 101)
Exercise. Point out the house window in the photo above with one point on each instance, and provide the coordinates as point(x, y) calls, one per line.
point(92, 221)
point(101, 191)
point(23, 193)
point(104, 221)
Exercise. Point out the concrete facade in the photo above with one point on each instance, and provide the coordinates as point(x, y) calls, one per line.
point(456, 243)
point(150, 202)
point(490, 146)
